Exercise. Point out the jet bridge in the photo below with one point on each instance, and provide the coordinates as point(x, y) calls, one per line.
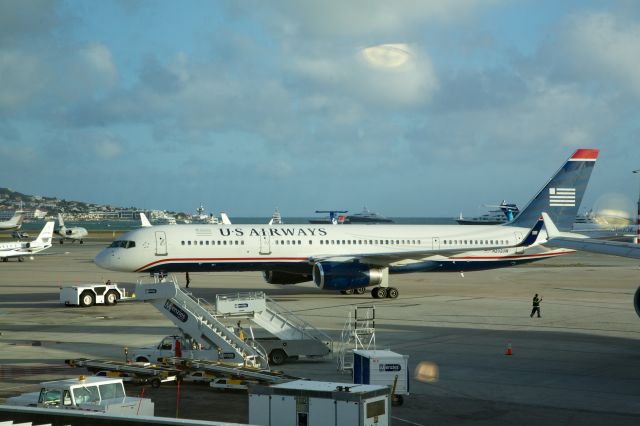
point(197, 319)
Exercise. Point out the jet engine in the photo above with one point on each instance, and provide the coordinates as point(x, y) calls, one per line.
point(278, 277)
point(345, 276)
point(636, 301)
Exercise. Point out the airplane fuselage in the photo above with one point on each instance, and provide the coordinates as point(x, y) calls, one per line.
point(294, 248)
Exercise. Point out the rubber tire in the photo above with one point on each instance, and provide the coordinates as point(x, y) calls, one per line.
point(61, 240)
point(360, 290)
point(348, 292)
point(392, 293)
point(111, 298)
point(379, 293)
point(142, 359)
point(155, 383)
point(81, 242)
point(83, 299)
point(20, 259)
point(277, 357)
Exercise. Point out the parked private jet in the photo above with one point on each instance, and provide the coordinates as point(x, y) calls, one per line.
point(74, 233)
point(351, 258)
point(14, 223)
point(20, 249)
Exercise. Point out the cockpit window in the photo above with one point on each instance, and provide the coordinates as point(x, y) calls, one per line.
point(123, 244)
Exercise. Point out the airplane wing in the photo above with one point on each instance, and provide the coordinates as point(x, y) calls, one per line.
point(580, 242)
point(385, 259)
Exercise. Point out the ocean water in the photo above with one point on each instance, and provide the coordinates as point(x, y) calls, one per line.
point(126, 225)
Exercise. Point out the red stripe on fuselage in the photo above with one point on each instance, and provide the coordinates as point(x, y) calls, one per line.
point(513, 257)
point(298, 259)
point(220, 259)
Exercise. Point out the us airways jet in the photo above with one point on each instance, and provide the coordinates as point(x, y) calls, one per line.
point(351, 258)
point(20, 249)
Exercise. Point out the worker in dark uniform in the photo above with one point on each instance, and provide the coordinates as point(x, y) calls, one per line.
point(536, 305)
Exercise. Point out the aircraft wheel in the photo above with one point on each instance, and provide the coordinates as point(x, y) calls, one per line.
point(361, 290)
point(20, 259)
point(111, 298)
point(348, 292)
point(392, 293)
point(5, 259)
point(379, 293)
point(61, 241)
point(81, 242)
point(155, 382)
point(87, 299)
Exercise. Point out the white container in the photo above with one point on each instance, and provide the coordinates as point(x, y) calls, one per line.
point(381, 368)
point(319, 404)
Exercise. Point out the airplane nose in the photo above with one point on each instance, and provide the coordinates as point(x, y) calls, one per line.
point(103, 259)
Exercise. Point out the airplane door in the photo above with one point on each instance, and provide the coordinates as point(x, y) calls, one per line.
point(519, 250)
point(161, 243)
point(265, 245)
point(435, 241)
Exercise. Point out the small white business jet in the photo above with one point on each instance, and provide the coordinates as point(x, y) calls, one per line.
point(74, 233)
point(14, 223)
point(20, 249)
point(351, 258)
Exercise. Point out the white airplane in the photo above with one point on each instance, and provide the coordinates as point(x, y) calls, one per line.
point(14, 223)
point(75, 233)
point(575, 241)
point(20, 249)
point(351, 258)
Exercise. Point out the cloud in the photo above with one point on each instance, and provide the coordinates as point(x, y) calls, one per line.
point(598, 48)
point(357, 18)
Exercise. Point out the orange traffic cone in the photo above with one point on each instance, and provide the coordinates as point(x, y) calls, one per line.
point(509, 351)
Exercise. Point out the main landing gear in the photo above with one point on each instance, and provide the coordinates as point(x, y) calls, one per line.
point(382, 292)
point(376, 292)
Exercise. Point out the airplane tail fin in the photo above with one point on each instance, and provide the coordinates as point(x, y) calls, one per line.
point(560, 198)
point(144, 221)
point(60, 221)
point(16, 219)
point(44, 238)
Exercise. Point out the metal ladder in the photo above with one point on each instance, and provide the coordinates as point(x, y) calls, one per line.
point(359, 332)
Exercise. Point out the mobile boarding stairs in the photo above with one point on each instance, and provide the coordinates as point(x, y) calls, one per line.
point(203, 321)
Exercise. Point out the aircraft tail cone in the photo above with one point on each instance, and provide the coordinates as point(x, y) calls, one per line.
point(509, 350)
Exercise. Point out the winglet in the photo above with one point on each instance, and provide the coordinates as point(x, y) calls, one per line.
point(225, 218)
point(144, 221)
point(552, 229)
point(532, 236)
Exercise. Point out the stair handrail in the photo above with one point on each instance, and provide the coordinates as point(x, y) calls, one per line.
point(241, 344)
point(305, 327)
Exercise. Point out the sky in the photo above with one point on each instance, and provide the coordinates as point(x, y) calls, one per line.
point(411, 107)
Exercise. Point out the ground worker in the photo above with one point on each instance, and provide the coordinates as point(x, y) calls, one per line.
point(536, 305)
point(240, 331)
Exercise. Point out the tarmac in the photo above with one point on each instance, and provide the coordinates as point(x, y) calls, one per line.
point(578, 364)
